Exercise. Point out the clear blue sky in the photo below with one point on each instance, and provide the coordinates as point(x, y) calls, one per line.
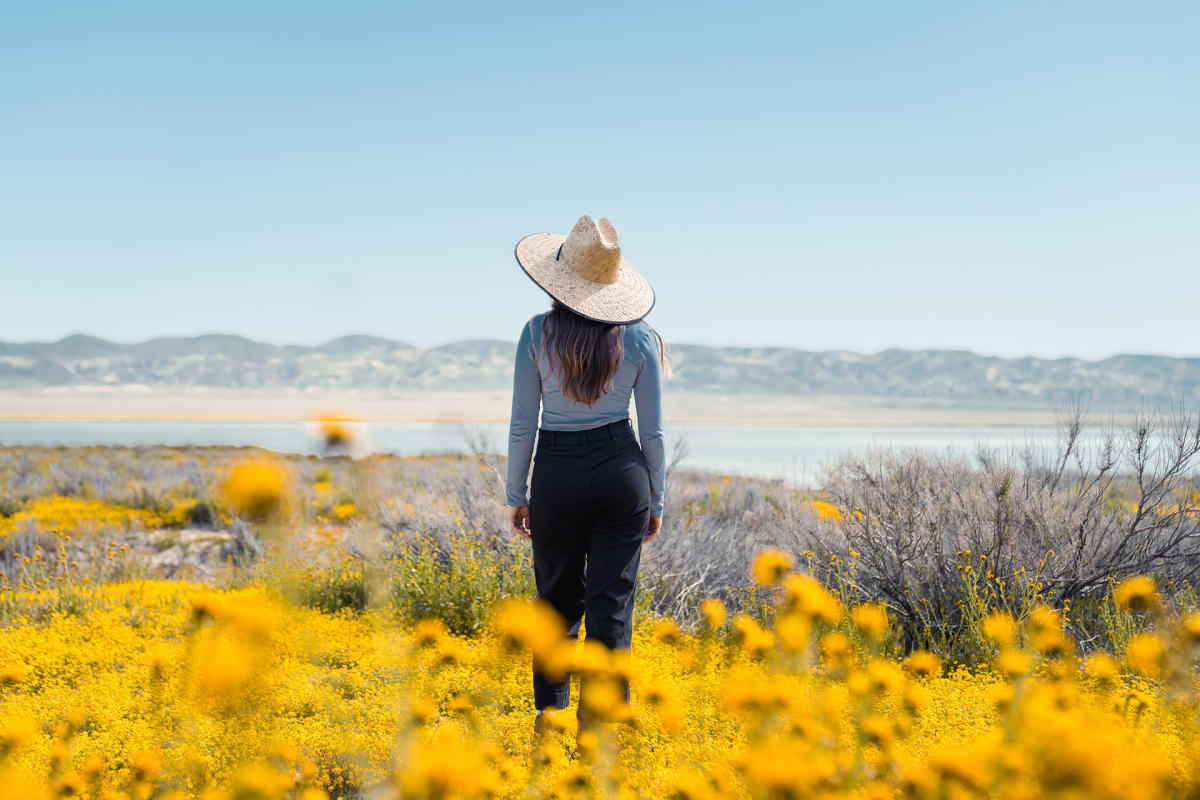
point(1012, 178)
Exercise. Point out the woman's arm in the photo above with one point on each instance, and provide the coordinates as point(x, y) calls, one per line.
point(647, 395)
point(523, 422)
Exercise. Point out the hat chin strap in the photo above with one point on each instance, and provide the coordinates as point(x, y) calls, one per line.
point(559, 253)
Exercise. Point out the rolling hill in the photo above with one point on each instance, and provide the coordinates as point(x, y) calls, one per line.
point(366, 363)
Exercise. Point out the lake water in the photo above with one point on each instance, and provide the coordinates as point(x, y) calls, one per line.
point(792, 452)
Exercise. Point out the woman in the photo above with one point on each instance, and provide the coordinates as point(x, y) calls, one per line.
point(595, 496)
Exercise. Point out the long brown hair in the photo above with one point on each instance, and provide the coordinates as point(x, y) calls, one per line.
point(586, 353)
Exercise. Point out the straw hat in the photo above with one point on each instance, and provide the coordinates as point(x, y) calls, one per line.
point(585, 272)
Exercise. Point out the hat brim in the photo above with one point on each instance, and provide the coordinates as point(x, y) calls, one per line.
point(627, 300)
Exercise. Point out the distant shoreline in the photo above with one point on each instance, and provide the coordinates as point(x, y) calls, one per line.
point(882, 423)
point(135, 404)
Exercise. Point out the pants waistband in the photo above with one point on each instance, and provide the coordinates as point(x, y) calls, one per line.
point(604, 433)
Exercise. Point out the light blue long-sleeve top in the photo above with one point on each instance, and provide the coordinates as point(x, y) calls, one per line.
point(535, 383)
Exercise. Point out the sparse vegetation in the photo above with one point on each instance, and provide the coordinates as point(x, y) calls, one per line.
point(918, 626)
point(943, 540)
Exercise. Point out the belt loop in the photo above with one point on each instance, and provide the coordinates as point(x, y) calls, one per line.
point(612, 432)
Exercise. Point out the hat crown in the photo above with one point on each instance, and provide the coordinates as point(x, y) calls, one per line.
point(592, 250)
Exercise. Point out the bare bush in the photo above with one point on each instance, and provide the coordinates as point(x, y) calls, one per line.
point(713, 526)
point(1023, 527)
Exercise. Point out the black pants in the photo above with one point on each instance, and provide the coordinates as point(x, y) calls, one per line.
point(589, 507)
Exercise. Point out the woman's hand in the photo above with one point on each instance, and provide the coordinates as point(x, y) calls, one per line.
point(653, 528)
point(518, 520)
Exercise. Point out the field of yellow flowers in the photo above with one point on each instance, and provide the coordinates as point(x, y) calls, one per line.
point(165, 689)
point(302, 677)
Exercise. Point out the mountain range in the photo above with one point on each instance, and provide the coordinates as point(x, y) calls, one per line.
point(367, 363)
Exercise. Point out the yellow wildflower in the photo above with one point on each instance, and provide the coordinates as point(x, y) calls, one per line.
point(1002, 694)
point(999, 627)
point(531, 626)
point(92, 766)
point(667, 632)
point(858, 682)
point(451, 651)
point(770, 566)
point(754, 640)
point(1191, 628)
point(146, 764)
point(916, 697)
point(603, 698)
point(259, 779)
point(713, 612)
point(1145, 654)
point(446, 765)
point(886, 675)
point(1102, 667)
point(14, 673)
point(343, 511)
point(423, 710)
point(15, 733)
point(805, 594)
point(1137, 594)
point(870, 620)
point(256, 489)
point(428, 632)
point(878, 730)
point(1046, 631)
point(335, 430)
point(224, 666)
point(1013, 663)
point(17, 786)
point(793, 631)
point(460, 704)
point(923, 663)
point(962, 767)
point(693, 786)
point(825, 510)
point(835, 650)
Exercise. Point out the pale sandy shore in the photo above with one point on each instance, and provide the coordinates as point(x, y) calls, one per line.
point(127, 403)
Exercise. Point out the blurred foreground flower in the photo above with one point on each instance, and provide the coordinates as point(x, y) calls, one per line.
point(12, 674)
point(339, 433)
point(1145, 653)
point(447, 764)
point(713, 611)
point(16, 733)
point(806, 595)
point(870, 620)
point(770, 566)
point(1000, 628)
point(825, 510)
point(1138, 594)
point(528, 625)
point(257, 490)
